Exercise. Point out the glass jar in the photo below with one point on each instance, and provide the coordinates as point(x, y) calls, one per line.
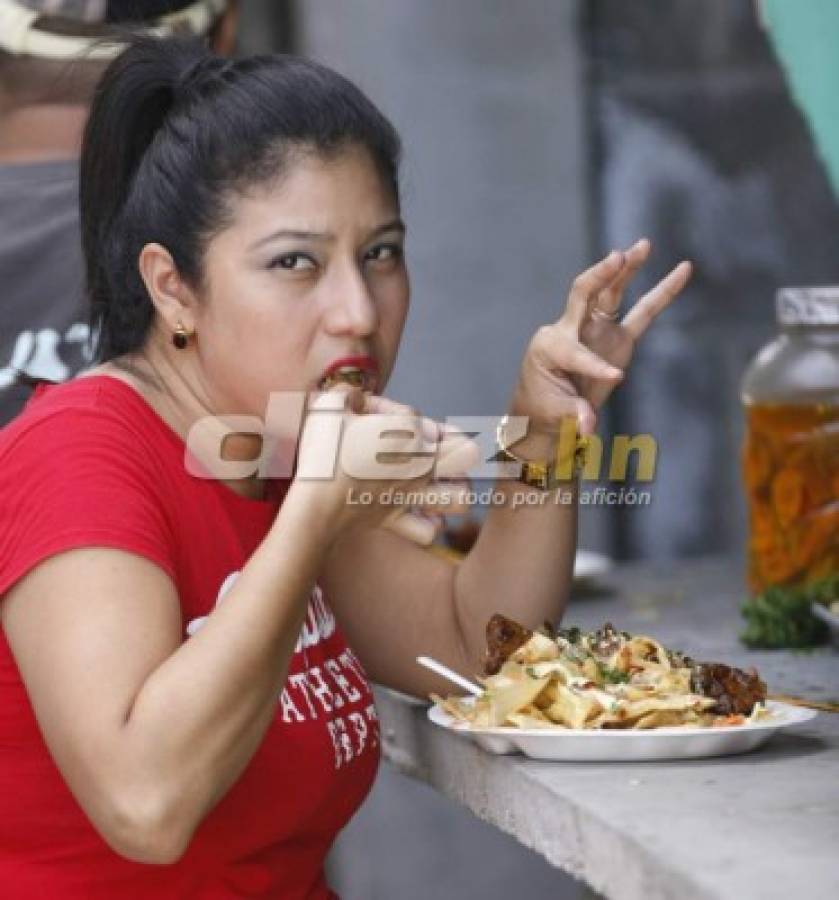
point(790, 459)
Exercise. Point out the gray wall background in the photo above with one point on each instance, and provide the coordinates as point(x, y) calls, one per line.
point(539, 134)
point(698, 146)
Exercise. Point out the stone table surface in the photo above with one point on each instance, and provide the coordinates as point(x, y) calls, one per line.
point(762, 825)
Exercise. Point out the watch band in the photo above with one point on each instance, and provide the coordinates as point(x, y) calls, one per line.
point(541, 474)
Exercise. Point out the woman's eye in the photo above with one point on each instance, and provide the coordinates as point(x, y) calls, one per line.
point(292, 262)
point(383, 252)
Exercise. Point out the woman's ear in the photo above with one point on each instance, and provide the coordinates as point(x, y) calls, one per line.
point(171, 295)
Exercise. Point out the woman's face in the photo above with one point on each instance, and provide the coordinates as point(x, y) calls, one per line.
point(310, 271)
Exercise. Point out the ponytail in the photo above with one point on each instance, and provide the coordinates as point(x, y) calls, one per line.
point(174, 132)
point(129, 107)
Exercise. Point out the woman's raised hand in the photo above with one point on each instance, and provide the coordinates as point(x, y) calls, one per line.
point(613, 338)
point(571, 366)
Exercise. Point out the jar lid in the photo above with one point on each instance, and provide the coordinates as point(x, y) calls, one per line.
point(807, 306)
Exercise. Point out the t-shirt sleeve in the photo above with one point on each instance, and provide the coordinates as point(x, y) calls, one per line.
point(79, 478)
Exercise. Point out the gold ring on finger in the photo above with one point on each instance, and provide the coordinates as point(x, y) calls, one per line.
point(604, 315)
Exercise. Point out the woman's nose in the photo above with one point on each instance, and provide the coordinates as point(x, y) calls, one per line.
point(351, 309)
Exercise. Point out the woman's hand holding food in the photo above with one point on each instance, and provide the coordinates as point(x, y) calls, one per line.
point(572, 366)
point(378, 433)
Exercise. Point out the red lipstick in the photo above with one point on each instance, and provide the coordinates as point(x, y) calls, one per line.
point(365, 363)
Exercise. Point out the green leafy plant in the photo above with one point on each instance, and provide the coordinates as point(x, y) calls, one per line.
point(782, 616)
point(825, 591)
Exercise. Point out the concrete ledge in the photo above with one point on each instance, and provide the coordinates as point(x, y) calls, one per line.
point(764, 825)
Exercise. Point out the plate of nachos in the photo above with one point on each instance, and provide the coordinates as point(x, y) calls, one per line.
point(608, 695)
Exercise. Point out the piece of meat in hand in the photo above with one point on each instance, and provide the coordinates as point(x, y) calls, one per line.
point(735, 690)
point(504, 636)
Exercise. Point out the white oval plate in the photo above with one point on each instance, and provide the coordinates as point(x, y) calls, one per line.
point(594, 745)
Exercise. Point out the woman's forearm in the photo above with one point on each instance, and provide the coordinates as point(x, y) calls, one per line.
point(200, 716)
point(521, 564)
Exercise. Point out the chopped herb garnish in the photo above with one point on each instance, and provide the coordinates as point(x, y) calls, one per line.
point(612, 676)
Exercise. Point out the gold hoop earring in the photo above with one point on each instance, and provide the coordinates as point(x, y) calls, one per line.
point(180, 337)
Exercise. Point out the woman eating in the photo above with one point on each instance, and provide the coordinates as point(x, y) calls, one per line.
point(185, 703)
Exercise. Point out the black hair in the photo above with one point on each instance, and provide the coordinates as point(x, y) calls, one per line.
point(174, 131)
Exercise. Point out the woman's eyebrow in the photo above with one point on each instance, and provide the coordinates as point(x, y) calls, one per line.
point(394, 225)
point(303, 235)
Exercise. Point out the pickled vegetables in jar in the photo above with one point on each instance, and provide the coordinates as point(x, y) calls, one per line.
point(791, 474)
point(790, 460)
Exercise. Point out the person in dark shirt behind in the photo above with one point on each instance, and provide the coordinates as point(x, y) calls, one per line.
point(51, 56)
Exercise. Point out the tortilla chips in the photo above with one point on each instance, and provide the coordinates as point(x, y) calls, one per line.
point(605, 679)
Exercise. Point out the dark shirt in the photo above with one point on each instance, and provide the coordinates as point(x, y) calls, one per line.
point(43, 316)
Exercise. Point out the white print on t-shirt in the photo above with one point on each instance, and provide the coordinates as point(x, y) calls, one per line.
point(312, 695)
point(320, 692)
point(37, 354)
point(350, 745)
point(323, 689)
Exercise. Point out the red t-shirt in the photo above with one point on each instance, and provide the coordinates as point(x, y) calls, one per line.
point(89, 463)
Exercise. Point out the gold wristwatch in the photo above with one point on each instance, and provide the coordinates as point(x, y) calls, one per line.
point(541, 474)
